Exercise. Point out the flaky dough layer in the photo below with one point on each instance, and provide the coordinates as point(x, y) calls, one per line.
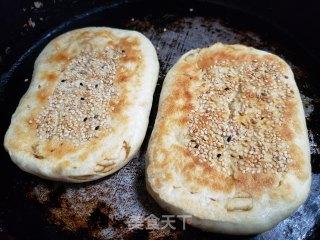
point(230, 143)
point(86, 111)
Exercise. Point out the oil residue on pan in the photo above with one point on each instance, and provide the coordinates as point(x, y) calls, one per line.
point(105, 209)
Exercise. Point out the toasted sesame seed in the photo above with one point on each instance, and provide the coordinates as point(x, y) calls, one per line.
point(65, 118)
point(246, 110)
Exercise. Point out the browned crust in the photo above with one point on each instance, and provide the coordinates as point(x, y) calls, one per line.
point(57, 150)
point(173, 114)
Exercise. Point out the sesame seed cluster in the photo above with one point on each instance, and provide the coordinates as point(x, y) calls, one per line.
point(79, 107)
point(235, 125)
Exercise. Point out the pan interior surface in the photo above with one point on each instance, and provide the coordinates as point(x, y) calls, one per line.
point(33, 208)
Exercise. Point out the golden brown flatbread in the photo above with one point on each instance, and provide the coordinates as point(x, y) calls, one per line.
point(86, 111)
point(230, 143)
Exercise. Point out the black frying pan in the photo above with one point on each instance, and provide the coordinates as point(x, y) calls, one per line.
point(33, 208)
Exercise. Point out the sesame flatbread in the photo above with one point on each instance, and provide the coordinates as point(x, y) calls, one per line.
point(86, 111)
point(230, 144)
